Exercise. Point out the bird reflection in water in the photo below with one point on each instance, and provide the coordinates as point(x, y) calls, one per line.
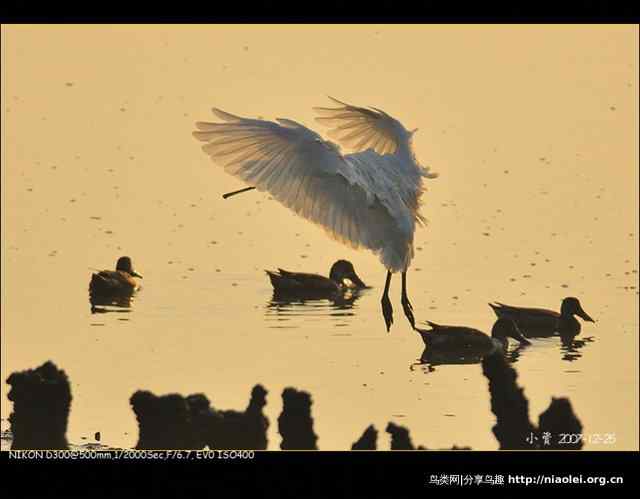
point(429, 360)
point(286, 306)
point(455, 345)
point(571, 347)
point(117, 304)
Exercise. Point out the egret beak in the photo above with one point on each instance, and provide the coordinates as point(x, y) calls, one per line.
point(413, 131)
point(135, 274)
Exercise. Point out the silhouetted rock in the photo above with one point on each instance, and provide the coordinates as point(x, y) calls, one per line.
point(557, 420)
point(41, 401)
point(295, 423)
point(508, 403)
point(239, 430)
point(203, 418)
point(368, 440)
point(164, 422)
point(400, 438)
point(175, 422)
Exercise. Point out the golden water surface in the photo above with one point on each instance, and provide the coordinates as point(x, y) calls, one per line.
point(533, 129)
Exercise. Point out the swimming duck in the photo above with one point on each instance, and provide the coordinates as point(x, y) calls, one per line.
point(299, 283)
point(543, 322)
point(460, 341)
point(115, 282)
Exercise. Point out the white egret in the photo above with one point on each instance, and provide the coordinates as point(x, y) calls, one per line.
point(367, 199)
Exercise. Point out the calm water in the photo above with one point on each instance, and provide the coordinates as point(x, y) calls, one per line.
point(532, 128)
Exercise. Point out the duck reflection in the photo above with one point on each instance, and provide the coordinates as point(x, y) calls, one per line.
point(513, 355)
point(431, 359)
point(117, 304)
point(570, 347)
point(286, 306)
point(454, 345)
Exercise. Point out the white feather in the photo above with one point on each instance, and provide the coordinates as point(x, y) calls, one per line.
point(368, 199)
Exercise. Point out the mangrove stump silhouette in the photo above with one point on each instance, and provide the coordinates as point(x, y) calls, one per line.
point(42, 398)
point(400, 438)
point(513, 429)
point(508, 403)
point(238, 430)
point(41, 401)
point(295, 423)
point(164, 422)
point(558, 420)
point(175, 422)
point(368, 440)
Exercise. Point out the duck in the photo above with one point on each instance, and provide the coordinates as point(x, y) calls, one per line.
point(460, 342)
point(300, 283)
point(543, 322)
point(115, 282)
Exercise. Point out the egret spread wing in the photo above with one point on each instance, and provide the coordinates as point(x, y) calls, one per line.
point(360, 128)
point(308, 175)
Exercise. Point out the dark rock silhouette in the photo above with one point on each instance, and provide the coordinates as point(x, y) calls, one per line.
point(513, 428)
point(164, 422)
point(508, 403)
point(295, 423)
point(41, 401)
point(203, 417)
point(368, 440)
point(239, 430)
point(175, 422)
point(400, 438)
point(557, 420)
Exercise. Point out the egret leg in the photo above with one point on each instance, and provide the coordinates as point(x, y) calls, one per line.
point(387, 309)
point(406, 304)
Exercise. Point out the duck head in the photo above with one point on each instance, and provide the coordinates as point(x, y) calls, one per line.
point(124, 265)
point(343, 269)
point(571, 306)
point(506, 328)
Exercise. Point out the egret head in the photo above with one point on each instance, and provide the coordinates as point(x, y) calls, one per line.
point(124, 265)
point(571, 306)
point(342, 270)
